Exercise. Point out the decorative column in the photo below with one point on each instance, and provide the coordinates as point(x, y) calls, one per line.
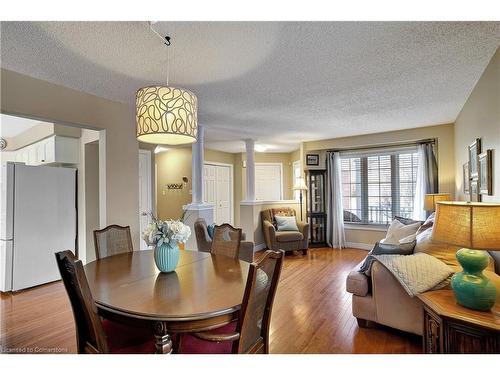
point(197, 208)
point(250, 208)
point(198, 157)
point(250, 150)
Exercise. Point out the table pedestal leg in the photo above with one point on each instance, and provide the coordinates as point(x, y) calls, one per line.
point(163, 343)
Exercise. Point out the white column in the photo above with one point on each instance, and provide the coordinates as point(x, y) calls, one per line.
point(197, 161)
point(197, 209)
point(250, 150)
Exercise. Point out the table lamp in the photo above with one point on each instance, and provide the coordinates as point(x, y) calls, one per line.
point(430, 200)
point(300, 186)
point(475, 227)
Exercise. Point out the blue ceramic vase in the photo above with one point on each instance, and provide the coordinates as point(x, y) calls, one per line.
point(472, 289)
point(166, 256)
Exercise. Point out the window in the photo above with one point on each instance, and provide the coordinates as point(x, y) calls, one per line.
point(378, 186)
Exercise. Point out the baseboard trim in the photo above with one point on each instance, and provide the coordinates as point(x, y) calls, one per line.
point(360, 245)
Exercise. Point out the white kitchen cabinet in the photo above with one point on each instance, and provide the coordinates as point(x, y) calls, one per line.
point(54, 150)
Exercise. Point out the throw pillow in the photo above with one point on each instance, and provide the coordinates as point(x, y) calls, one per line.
point(406, 220)
point(398, 231)
point(382, 248)
point(211, 230)
point(286, 223)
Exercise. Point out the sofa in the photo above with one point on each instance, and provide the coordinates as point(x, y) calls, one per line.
point(204, 242)
point(380, 297)
point(285, 240)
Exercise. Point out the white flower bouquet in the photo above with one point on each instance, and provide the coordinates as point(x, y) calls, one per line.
point(170, 232)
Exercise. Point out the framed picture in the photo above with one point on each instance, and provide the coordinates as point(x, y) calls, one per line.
point(466, 178)
point(485, 171)
point(475, 196)
point(474, 151)
point(312, 159)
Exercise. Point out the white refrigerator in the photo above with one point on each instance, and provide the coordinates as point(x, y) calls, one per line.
point(38, 219)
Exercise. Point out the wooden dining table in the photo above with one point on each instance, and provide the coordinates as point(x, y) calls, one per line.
point(204, 292)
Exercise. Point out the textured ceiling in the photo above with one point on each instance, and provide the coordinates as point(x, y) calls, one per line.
point(10, 126)
point(277, 82)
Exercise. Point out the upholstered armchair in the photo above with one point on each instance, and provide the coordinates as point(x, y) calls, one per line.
point(286, 240)
point(204, 241)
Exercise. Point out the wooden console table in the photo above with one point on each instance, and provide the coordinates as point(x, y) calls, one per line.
point(451, 328)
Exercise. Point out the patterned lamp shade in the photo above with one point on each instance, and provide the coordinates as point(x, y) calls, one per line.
point(430, 200)
point(471, 225)
point(166, 115)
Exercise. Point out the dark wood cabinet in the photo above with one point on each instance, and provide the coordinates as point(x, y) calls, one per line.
point(451, 328)
point(316, 206)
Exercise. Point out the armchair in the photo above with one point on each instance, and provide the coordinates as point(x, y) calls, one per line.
point(286, 240)
point(204, 241)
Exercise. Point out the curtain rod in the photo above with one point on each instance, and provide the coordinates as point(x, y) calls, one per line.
point(413, 143)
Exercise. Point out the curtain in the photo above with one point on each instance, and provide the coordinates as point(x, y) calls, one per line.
point(335, 235)
point(427, 179)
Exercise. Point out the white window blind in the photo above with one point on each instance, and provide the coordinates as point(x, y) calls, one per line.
point(378, 184)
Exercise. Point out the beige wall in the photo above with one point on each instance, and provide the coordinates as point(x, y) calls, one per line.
point(446, 161)
point(480, 118)
point(171, 165)
point(91, 160)
point(34, 98)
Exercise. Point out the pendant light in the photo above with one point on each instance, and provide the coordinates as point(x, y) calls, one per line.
point(164, 114)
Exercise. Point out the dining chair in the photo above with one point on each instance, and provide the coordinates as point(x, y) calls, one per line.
point(112, 240)
point(94, 334)
point(250, 333)
point(226, 241)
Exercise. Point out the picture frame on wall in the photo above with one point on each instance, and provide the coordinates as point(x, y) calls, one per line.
point(466, 178)
point(475, 196)
point(474, 151)
point(312, 159)
point(485, 173)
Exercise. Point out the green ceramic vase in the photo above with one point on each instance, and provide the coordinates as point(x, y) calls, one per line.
point(166, 256)
point(472, 289)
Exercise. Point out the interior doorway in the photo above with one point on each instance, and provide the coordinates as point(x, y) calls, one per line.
point(145, 193)
point(218, 190)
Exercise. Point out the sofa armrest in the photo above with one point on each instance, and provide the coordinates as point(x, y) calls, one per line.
point(246, 251)
point(270, 235)
point(304, 229)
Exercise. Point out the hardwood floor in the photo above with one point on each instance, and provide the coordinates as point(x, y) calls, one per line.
point(312, 313)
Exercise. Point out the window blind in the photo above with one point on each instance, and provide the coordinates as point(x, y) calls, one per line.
point(378, 184)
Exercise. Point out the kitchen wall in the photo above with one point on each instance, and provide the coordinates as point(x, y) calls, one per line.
point(365, 238)
point(39, 132)
point(26, 96)
point(480, 118)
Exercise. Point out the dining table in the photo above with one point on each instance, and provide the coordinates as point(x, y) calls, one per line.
point(204, 292)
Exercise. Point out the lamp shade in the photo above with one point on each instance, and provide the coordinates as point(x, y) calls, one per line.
point(166, 115)
point(430, 200)
point(300, 185)
point(472, 225)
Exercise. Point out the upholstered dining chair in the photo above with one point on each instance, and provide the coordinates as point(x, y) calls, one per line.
point(93, 334)
point(250, 333)
point(112, 240)
point(226, 241)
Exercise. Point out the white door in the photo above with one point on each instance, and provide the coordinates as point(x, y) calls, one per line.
point(145, 187)
point(268, 182)
point(218, 191)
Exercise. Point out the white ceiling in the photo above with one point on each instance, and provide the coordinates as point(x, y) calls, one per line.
point(10, 126)
point(277, 82)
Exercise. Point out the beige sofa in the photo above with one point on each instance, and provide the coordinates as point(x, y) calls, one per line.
point(381, 298)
